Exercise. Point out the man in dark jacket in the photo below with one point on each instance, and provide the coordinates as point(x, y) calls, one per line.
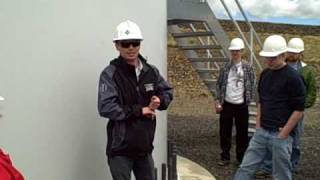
point(130, 90)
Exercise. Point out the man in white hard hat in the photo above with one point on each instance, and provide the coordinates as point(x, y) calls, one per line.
point(294, 59)
point(281, 104)
point(235, 90)
point(130, 90)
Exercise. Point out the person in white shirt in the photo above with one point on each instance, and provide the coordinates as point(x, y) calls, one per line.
point(234, 91)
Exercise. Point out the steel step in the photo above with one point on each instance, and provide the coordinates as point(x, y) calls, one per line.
point(206, 70)
point(183, 21)
point(214, 59)
point(252, 121)
point(192, 34)
point(213, 91)
point(210, 83)
point(251, 130)
point(252, 113)
point(199, 47)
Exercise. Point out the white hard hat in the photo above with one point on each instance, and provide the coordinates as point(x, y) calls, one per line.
point(127, 30)
point(295, 45)
point(273, 46)
point(1, 98)
point(236, 44)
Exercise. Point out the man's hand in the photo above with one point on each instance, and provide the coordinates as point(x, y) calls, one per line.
point(282, 134)
point(258, 117)
point(154, 102)
point(218, 107)
point(284, 131)
point(148, 112)
point(258, 125)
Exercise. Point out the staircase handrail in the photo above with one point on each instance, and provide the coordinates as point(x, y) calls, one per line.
point(250, 45)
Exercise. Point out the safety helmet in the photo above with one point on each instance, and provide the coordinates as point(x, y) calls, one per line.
point(295, 45)
point(236, 44)
point(1, 98)
point(273, 46)
point(127, 30)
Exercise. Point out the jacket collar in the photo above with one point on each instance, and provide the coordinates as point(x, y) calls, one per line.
point(230, 64)
point(303, 64)
point(120, 62)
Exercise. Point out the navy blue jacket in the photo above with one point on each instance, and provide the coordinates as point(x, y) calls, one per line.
point(121, 99)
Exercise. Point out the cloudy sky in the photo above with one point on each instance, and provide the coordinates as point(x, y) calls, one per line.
point(283, 11)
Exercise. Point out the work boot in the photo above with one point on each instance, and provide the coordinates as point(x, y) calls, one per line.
point(224, 162)
point(262, 174)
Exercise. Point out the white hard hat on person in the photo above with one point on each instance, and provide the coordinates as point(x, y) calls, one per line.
point(295, 45)
point(236, 44)
point(127, 30)
point(274, 45)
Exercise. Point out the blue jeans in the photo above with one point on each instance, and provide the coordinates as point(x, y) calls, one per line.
point(296, 150)
point(296, 145)
point(261, 142)
point(122, 166)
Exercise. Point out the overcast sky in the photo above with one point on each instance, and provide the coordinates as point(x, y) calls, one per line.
point(285, 11)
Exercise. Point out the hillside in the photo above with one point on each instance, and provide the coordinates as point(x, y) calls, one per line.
point(310, 35)
point(261, 27)
point(189, 90)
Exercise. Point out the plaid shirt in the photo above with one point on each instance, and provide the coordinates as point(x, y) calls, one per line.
point(249, 82)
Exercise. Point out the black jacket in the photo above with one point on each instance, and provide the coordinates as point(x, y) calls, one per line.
point(121, 99)
point(281, 92)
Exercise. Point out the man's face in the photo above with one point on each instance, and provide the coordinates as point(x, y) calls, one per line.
point(275, 62)
point(293, 57)
point(128, 49)
point(236, 54)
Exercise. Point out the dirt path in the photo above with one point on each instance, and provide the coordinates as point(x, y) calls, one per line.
point(197, 138)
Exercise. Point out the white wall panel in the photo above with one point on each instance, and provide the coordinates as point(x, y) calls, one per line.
point(51, 55)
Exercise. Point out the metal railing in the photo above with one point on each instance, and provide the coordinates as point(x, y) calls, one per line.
point(253, 33)
point(172, 161)
point(168, 171)
point(209, 54)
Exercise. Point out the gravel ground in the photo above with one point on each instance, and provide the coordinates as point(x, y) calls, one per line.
point(197, 138)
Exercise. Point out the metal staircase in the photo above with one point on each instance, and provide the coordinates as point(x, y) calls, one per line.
point(201, 49)
point(199, 34)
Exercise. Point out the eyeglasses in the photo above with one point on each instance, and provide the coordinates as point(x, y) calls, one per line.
point(235, 51)
point(126, 44)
